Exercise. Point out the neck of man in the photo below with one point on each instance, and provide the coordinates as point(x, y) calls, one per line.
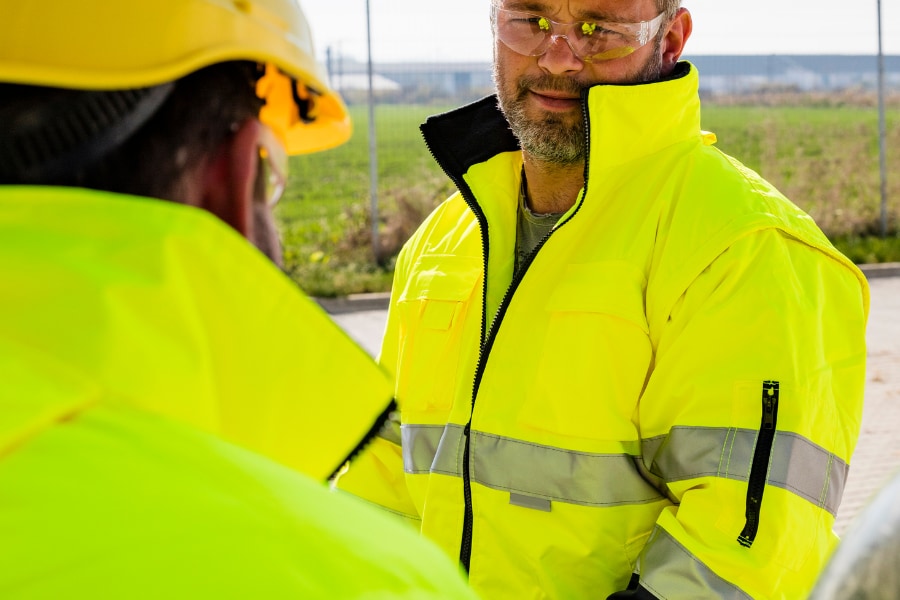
point(552, 188)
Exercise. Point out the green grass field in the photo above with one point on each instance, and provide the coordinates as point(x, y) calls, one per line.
point(825, 159)
point(325, 213)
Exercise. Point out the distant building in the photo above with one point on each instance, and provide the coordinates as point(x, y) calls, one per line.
point(732, 74)
point(741, 74)
point(360, 81)
point(420, 82)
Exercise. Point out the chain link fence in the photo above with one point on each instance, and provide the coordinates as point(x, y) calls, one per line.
point(807, 123)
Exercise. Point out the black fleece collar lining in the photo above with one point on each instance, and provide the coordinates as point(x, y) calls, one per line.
point(468, 135)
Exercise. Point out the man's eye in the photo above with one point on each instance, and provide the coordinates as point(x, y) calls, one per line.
point(590, 29)
point(600, 33)
point(527, 21)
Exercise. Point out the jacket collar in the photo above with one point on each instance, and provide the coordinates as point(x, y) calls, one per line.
point(161, 307)
point(628, 122)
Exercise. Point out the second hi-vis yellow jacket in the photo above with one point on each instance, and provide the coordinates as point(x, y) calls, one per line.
point(162, 388)
point(666, 401)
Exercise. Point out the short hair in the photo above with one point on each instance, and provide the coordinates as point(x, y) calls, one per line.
point(202, 109)
point(669, 7)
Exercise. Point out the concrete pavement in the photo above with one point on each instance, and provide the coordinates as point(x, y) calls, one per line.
point(877, 454)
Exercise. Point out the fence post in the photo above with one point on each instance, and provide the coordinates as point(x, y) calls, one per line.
point(882, 130)
point(373, 146)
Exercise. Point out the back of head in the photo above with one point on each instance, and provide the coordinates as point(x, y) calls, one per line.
point(138, 141)
point(158, 81)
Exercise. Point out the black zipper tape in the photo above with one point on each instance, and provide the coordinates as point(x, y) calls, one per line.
point(756, 485)
point(383, 419)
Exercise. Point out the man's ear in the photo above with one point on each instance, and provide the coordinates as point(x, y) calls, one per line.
point(230, 176)
point(676, 37)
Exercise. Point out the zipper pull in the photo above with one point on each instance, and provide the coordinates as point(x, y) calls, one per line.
point(770, 404)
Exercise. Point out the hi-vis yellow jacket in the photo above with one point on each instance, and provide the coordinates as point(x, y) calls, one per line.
point(154, 372)
point(673, 388)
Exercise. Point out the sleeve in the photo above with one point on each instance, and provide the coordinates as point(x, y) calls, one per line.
point(748, 421)
point(376, 475)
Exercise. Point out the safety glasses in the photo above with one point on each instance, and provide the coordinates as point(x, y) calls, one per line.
point(273, 164)
point(532, 34)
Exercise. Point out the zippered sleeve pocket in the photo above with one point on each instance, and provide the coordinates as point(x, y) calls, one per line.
point(759, 468)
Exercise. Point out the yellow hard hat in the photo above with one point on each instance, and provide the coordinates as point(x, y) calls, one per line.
point(122, 44)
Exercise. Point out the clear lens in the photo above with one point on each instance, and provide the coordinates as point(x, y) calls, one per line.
point(591, 41)
point(523, 32)
point(273, 162)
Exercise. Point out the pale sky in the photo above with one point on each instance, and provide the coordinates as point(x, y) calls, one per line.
point(458, 30)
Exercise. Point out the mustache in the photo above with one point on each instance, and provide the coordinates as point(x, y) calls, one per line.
point(550, 83)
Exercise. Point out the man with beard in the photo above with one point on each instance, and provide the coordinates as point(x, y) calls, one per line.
point(627, 366)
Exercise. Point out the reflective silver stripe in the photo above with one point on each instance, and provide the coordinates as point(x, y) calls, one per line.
point(560, 475)
point(527, 469)
point(450, 450)
point(796, 465)
point(420, 444)
point(669, 570)
point(531, 502)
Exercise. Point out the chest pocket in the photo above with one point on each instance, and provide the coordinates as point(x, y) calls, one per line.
point(595, 353)
point(439, 308)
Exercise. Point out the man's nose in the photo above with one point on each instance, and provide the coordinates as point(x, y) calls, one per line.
point(560, 56)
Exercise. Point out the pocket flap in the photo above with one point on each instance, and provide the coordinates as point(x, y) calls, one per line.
point(442, 277)
point(611, 287)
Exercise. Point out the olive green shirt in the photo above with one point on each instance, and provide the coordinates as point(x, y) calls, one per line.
point(531, 227)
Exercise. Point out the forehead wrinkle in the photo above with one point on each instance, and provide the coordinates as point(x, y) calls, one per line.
point(542, 8)
point(527, 6)
point(603, 14)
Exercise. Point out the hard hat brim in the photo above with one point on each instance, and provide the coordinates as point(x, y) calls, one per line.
point(110, 44)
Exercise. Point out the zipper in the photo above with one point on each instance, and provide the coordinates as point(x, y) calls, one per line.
point(488, 335)
point(756, 485)
point(383, 419)
point(469, 197)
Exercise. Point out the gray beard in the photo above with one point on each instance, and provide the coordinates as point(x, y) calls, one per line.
point(552, 140)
